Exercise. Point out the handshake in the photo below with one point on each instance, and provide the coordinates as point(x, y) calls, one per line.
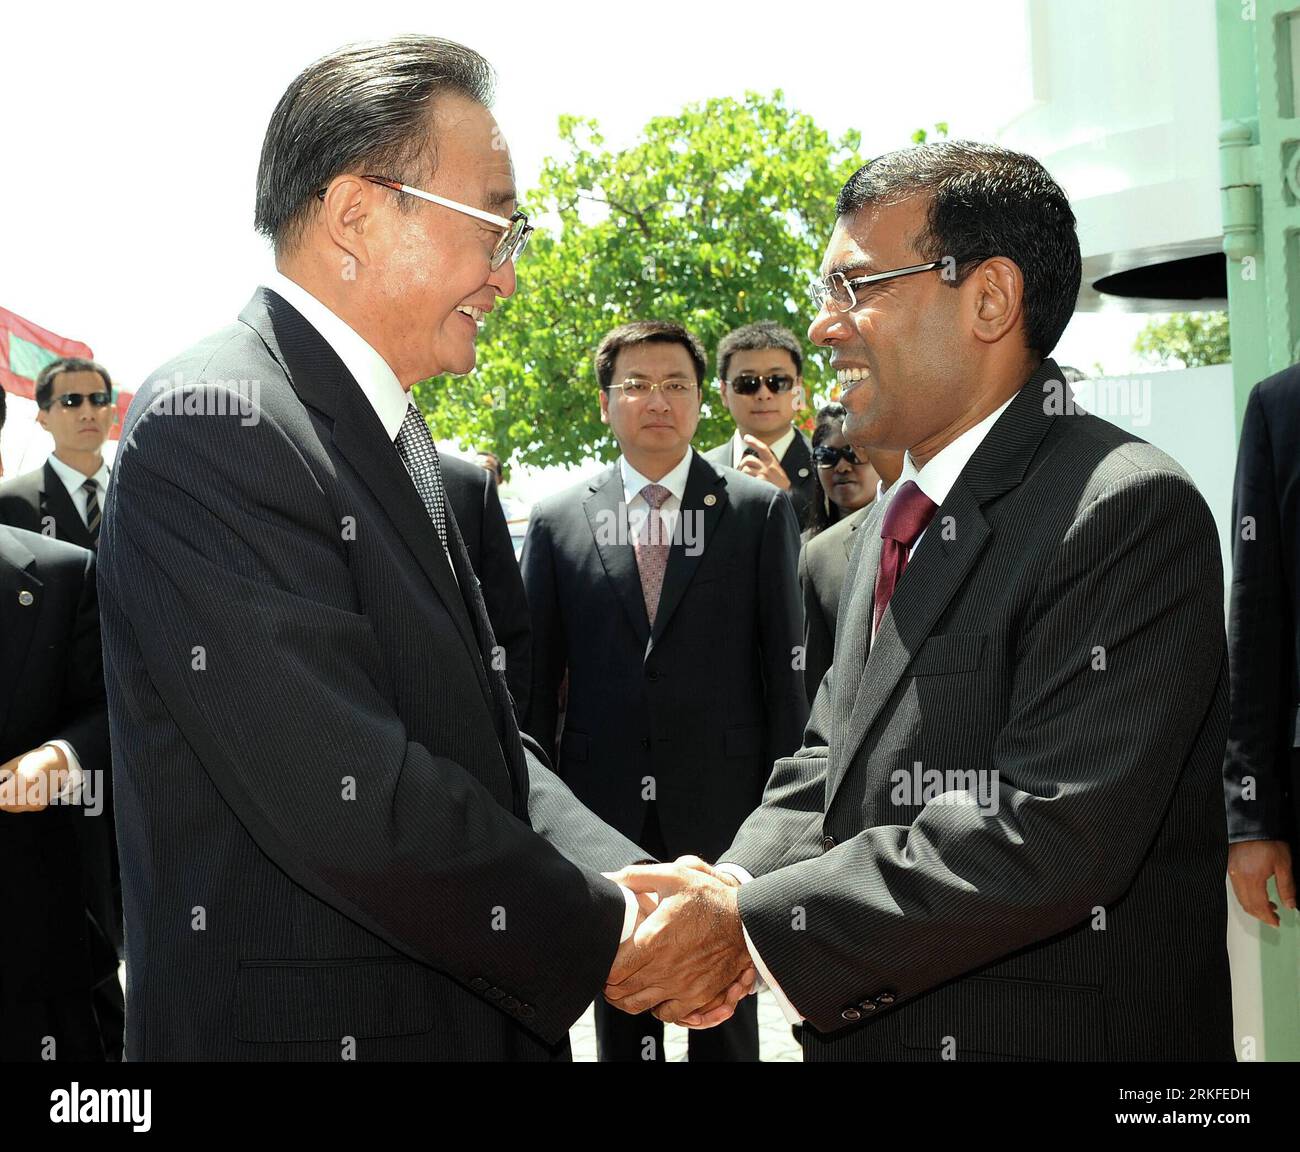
point(687, 959)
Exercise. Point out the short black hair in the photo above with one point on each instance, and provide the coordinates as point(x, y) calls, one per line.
point(645, 332)
point(45, 377)
point(985, 201)
point(752, 337)
point(364, 107)
point(2, 407)
point(830, 420)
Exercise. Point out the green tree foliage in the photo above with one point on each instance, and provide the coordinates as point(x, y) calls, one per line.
point(714, 218)
point(1186, 339)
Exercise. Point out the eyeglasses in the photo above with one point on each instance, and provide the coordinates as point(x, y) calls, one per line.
point(515, 230)
point(828, 457)
point(74, 399)
point(635, 388)
point(747, 383)
point(838, 289)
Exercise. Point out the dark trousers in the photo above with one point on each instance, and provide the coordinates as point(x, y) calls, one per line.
point(622, 1038)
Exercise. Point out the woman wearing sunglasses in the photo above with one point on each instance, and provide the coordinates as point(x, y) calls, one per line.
point(848, 481)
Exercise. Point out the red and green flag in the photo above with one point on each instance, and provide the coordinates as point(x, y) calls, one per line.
point(25, 348)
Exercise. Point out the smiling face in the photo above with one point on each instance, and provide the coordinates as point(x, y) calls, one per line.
point(82, 429)
point(765, 414)
point(653, 431)
point(899, 355)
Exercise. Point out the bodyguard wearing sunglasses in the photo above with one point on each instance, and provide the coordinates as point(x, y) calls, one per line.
point(759, 376)
point(65, 498)
point(314, 738)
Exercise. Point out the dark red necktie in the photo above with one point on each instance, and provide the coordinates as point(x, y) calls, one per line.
point(909, 511)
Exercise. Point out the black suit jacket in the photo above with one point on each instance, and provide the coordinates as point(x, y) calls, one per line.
point(474, 501)
point(1263, 633)
point(1061, 624)
point(798, 465)
point(704, 702)
point(822, 561)
point(332, 834)
point(57, 935)
point(39, 502)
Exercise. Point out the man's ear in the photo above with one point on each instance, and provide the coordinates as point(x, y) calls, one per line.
point(41, 417)
point(998, 296)
point(797, 393)
point(347, 210)
point(604, 406)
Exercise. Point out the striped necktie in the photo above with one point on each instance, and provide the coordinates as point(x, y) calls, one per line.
point(93, 515)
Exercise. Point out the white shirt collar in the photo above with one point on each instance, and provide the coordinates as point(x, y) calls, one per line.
point(940, 472)
point(674, 481)
point(73, 480)
point(779, 449)
point(371, 372)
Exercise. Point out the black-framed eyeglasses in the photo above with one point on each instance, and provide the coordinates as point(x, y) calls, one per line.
point(838, 290)
point(74, 399)
point(747, 383)
point(637, 388)
point(827, 456)
point(515, 230)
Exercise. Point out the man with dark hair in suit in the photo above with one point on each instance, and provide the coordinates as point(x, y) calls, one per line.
point(1261, 770)
point(1003, 834)
point(665, 588)
point(335, 843)
point(760, 377)
point(58, 957)
point(74, 399)
point(472, 494)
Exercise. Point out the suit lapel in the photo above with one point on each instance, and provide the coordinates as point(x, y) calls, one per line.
point(17, 620)
point(322, 382)
point(702, 481)
point(57, 503)
point(606, 512)
point(952, 544)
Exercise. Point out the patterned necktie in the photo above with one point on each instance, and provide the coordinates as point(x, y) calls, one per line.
point(93, 515)
point(420, 456)
point(651, 546)
point(909, 511)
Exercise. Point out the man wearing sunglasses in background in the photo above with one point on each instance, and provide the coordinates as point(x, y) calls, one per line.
point(64, 499)
point(759, 376)
point(335, 844)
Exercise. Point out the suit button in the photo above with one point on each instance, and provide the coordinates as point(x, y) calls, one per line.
point(885, 999)
point(654, 675)
point(645, 743)
point(851, 1014)
point(867, 1006)
point(494, 993)
point(527, 1011)
point(828, 842)
point(509, 1003)
point(478, 984)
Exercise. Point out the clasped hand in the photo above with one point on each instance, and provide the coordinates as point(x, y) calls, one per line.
point(687, 959)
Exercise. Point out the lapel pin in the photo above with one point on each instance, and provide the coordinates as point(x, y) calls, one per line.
point(803, 472)
point(710, 500)
point(25, 598)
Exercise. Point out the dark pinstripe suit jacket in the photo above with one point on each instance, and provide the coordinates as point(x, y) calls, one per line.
point(1060, 624)
point(331, 833)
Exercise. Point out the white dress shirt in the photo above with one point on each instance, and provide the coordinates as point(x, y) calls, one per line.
point(779, 449)
point(390, 401)
point(638, 509)
point(73, 481)
point(936, 480)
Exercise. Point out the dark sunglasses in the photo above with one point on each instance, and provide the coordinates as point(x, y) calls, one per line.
point(74, 399)
point(828, 457)
point(746, 384)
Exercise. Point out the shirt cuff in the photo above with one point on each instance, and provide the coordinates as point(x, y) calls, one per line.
point(630, 915)
point(788, 1010)
point(71, 789)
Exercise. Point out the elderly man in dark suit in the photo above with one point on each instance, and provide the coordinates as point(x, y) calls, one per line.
point(1261, 769)
point(59, 993)
point(1003, 836)
point(665, 588)
point(335, 843)
point(760, 378)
